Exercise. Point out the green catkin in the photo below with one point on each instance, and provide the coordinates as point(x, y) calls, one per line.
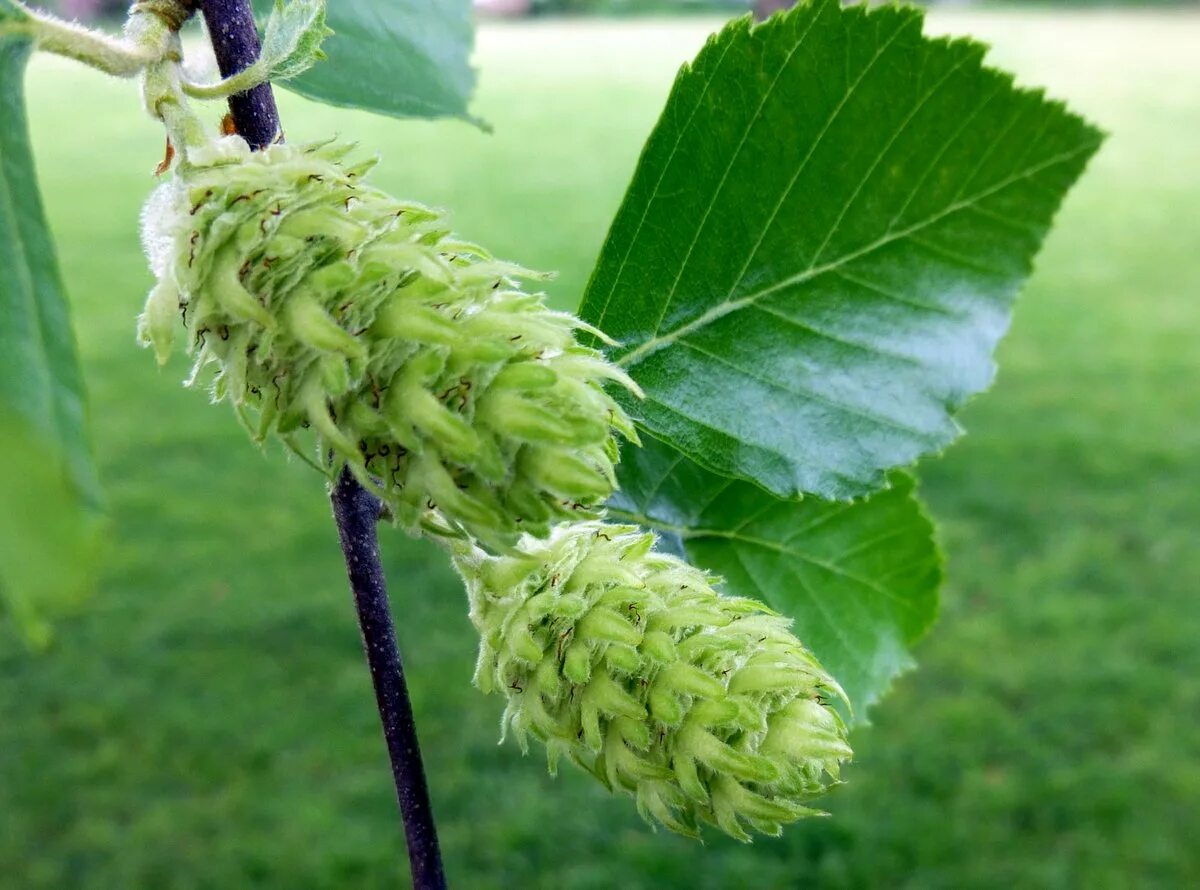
point(320, 303)
point(704, 707)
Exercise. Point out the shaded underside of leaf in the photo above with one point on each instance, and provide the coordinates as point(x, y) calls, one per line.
point(49, 494)
point(822, 242)
point(860, 579)
point(395, 57)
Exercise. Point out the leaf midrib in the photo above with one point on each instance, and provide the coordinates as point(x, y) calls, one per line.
point(728, 305)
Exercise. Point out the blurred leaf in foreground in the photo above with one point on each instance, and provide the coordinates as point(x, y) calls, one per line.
point(49, 496)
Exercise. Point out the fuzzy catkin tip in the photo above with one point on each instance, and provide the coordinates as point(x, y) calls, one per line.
point(326, 309)
point(704, 707)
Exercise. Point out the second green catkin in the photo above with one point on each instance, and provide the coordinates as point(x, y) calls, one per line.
point(704, 707)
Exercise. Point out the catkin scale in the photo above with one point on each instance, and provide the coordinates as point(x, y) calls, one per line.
point(320, 303)
point(704, 707)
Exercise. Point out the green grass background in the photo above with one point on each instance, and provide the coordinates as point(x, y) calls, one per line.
point(207, 721)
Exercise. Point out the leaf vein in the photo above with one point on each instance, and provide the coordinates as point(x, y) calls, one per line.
point(658, 184)
point(636, 355)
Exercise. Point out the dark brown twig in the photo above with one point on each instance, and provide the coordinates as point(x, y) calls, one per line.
point(357, 513)
point(235, 43)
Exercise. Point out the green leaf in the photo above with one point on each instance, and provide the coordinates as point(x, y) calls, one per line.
point(49, 496)
point(822, 243)
point(292, 41)
point(859, 578)
point(49, 538)
point(397, 57)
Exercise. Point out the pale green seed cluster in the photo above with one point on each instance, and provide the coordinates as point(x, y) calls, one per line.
point(705, 707)
point(415, 358)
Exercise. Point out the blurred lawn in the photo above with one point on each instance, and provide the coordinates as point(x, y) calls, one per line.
point(208, 722)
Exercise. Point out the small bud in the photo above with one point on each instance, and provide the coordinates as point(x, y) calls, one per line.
point(156, 327)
